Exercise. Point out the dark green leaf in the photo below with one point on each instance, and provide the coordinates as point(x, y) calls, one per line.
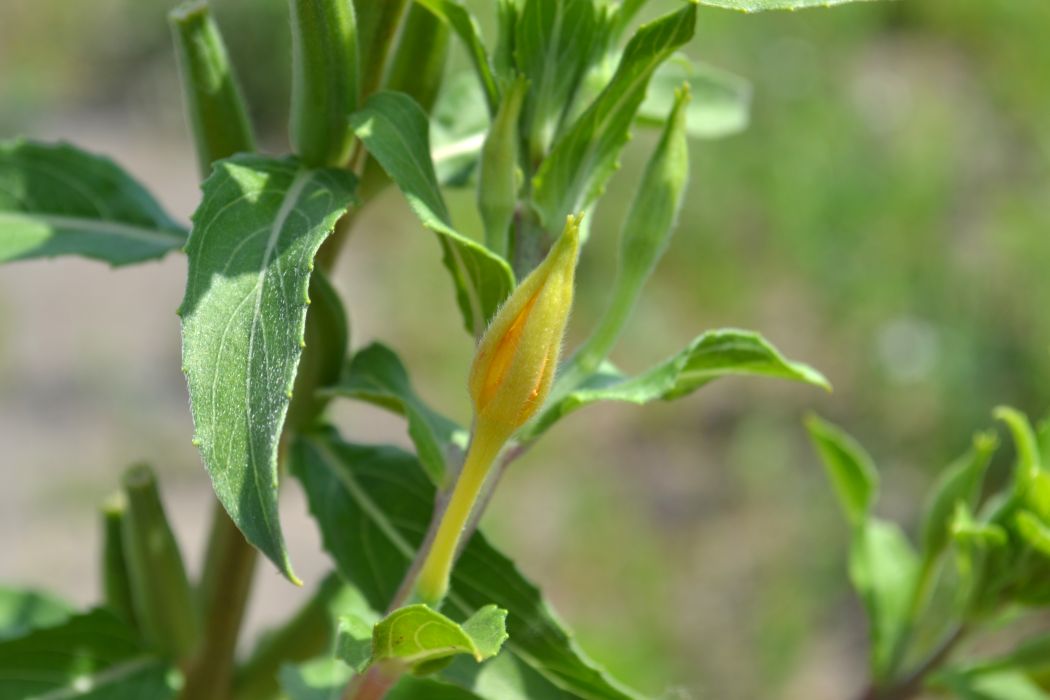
point(850, 469)
point(243, 318)
point(464, 25)
point(884, 568)
point(22, 611)
point(713, 355)
point(584, 157)
point(90, 657)
point(960, 482)
point(721, 104)
point(373, 505)
point(377, 376)
point(58, 200)
point(394, 130)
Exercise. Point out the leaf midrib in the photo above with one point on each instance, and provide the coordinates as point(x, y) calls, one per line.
point(106, 227)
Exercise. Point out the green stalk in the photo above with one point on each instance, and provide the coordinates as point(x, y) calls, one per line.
point(379, 21)
point(164, 604)
point(500, 177)
point(324, 80)
point(215, 108)
point(116, 581)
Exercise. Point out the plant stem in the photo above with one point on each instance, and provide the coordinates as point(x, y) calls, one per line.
point(225, 585)
point(911, 685)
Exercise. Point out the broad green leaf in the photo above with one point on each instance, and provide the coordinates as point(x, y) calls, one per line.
point(22, 611)
point(1006, 685)
point(59, 200)
point(555, 43)
point(850, 468)
point(884, 569)
point(93, 656)
point(373, 505)
point(761, 5)
point(714, 354)
point(721, 104)
point(961, 482)
point(586, 155)
point(394, 130)
point(243, 318)
point(417, 636)
point(376, 375)
point(464, 25)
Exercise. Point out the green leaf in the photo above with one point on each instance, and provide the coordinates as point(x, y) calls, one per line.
point(59, 200)
point(721, 104)
point(326, 678)
point(394, 130)
point(22, 611)
point(458, 126)
point(762, 5)
point(353, 642)
point(1033, 532)
point(714, 354)
point(92, 656)
point(1007, 685)
point(1030, 655)
point(373, 505)
point(850, 468)
point(416, 636)
point(586, 155)
point(884, 570)
point(1031, 480)
point(961, 482)
point(243, 318)
point(464, 25)
point(376, 375)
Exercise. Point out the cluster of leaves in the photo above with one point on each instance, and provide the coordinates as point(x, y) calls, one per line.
point(982, 561)
point(266, 338)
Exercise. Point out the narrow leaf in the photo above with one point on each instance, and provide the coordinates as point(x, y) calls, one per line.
point(377, 376)
point(586, 155)
point(1006, 685)
point(394, 130)
point(22, 611)
point(721, 104)
point(59, 200)
point(762, 5)
point(92, 656)
point(961, 482)
point(850, 468)
point(714, 354)
point(348, 485)
point(466, 27)
point(243, 318)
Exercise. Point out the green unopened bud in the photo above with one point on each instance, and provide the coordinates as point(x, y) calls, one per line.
point(516, 358)
point(116, 582)
point(500, 178)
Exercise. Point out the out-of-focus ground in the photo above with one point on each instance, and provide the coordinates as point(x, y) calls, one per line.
point(885, 218)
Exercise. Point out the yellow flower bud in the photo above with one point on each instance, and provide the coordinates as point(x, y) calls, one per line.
point(518, 355)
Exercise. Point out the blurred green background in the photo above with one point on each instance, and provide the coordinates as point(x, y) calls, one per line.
point(886, 218)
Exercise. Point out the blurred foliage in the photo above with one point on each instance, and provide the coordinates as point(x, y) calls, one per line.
point(884, 218)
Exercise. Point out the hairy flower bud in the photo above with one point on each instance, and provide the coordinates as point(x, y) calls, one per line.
point(517, 357)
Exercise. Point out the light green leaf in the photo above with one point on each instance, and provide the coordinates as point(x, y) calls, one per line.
point(417, 636)
point(458, 125)
point(93, 656)
point(318, 679)
point(961, 482)
point(884, 570)
point(464, 25)
point(387, 491)
point(850, 468)
point(243, 318)
point(1006, 685)
point(59, 200)
point(353, 642)
point(1031, 480)
point(762, 5)
point(586, 155)
point(721, 104)
point(22, 611)
point(714, 354)
point(376, 375)
point(394, 130)
point(1033, 532)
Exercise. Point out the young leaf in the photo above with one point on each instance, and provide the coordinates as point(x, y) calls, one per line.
point(760, 5)
point(58, 200)
point(850, 468)
point(1006, 685)
point(884, 569)
point(721, 104)
point(243, 318)
point(961, 482)
point(464, 25)
point(394, 130)
point(93, 656)
point(22, 611)
point(417, 636)
point(584, 157)
point(714, 354)
point(376, 375)
point(348, 485)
